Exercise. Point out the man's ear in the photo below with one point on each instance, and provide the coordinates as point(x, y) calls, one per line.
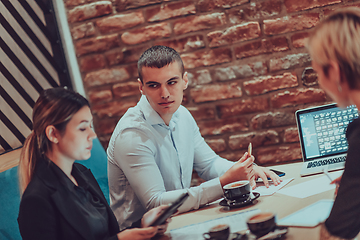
point(186, 80)
point(140, 86)
point(52, 134)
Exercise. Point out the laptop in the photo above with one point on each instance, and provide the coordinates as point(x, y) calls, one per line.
point(322, 137)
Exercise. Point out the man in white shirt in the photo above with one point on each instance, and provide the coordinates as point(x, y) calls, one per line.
point(157, 144)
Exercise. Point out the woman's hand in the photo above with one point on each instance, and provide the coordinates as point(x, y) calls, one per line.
point(151, 215)
point(337, 182)
point(264, 173)
point(146, 232)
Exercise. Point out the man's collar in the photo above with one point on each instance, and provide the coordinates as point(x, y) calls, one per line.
point(151, 115)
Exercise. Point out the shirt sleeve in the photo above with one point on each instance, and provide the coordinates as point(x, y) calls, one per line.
point(207, 163)
point(135, 154)
point(344, 218)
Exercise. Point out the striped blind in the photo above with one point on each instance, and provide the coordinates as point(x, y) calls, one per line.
point(31, 60)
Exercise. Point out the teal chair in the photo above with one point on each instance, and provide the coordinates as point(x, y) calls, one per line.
point(10, 193)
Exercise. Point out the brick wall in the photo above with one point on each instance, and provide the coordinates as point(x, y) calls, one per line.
point(248, 68)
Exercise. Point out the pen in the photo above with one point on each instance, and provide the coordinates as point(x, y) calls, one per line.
point(250, 149)
point(327, 174)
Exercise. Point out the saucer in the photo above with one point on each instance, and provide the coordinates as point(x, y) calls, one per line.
point(224, 203)
point(235, 236)
point(277, 233)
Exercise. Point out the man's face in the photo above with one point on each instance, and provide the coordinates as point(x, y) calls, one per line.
point(163, 88)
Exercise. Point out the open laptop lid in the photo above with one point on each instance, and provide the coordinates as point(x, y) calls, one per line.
point(322, 136)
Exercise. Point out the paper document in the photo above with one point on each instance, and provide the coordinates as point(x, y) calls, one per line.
point(264, 191)
point(237, 222)
point(311, 187)
point(309, 216)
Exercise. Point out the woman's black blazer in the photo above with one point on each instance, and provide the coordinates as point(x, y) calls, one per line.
point(47, 211)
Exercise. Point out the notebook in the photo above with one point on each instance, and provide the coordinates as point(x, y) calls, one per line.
point(309, 216)
point(322, 136)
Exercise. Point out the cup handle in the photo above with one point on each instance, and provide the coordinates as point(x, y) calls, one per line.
point(206, 235)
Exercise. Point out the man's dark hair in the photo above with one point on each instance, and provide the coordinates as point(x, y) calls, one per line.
point(159, 56)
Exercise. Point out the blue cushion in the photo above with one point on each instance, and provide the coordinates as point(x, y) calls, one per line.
point(9, 204)
point(10, 193)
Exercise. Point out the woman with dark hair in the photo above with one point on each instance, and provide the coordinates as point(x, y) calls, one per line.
point(61, 199)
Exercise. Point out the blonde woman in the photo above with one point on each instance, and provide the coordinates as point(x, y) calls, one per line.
point(61, 199)
point(335, 51)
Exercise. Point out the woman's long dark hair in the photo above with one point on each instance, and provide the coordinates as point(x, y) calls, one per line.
point(55, 106)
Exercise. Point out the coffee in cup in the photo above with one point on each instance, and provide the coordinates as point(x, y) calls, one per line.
point(218, 232)
point(262, 223)
point(239, 191)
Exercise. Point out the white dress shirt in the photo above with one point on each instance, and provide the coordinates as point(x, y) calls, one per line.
point(151, 164)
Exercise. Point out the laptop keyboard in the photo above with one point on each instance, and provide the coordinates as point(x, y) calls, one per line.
point(328, 161)
point(330, 129)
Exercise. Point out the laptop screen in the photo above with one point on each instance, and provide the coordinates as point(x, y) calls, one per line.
point(322, 130)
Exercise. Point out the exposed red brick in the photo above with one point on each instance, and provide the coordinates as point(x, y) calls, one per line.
point(235, 108)
point(112, 109)
point(120, 22)
point(125, 55)
point(309, 77)
point(272, 120)
point(132, 69)
point(255, 11)
point(333, 8)
point(290, 23)
point(199, 77)
point(289, 61)
point(278, 154)
point(222, 126)
point(201, 113)
point(83, 30)
point(260, 47)
point(184, 44)
point(298, 96)
point(106, 76)
point(217, 145)
point(232, 156)
point(105, 127)
point(122, 5)
point(126, 89)
point(215, 92)
point(208, 5)
point(147, 33)
point(169, 10)
point(257, 139)
point(299, 39)
point(295, 5)
point(104, 140)
point(197, 29)
point(96, 96)
point(234, 34)
point(201, 22)
point(97, 44)
point(88, 11)
point(92, 62)
point(206, 58)
point(240, 71)
point(266, 84)
point(291, 135)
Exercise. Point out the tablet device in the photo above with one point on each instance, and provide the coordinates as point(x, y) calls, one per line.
point(170, 210)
